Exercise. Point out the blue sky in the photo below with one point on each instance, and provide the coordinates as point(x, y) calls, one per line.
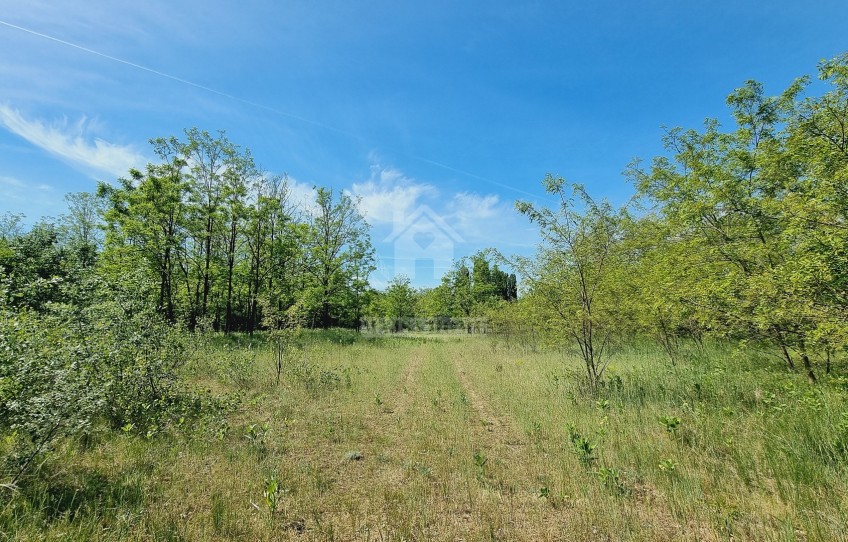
point(458, 106)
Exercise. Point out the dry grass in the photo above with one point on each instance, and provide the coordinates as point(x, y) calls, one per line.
point(463, 439)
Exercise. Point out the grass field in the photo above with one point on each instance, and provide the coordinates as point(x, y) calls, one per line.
point(463, 438)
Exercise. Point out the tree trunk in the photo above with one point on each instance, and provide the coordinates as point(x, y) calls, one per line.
point(207, 264)
point(231, 260)
point(786, 354)
point(811, 376)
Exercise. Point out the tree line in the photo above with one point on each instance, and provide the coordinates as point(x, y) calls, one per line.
point(473, 287)
point(735, 232)
point(222, 240)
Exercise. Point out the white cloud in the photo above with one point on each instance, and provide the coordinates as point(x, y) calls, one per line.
point(486, 221)
point(389, 195)
point(479, 216)
point(468, 206)
point(301, 195)
point(71, 143)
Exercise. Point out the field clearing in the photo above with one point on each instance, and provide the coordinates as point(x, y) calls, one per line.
point(463, 438)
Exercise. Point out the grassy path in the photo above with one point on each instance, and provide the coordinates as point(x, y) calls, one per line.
point(458, 439)
point(424, 447)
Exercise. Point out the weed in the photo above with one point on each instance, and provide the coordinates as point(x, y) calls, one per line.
point(272, 493)
point(236, 366)
point(315, 378)
point(667, 465)
point(603, 425)
point(612, 479)
point(424, 470)
point(257, 436)
point(581, 446)
point(480, 462)
point(671, 423)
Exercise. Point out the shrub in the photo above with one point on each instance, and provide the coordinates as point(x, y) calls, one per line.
point(102, 357)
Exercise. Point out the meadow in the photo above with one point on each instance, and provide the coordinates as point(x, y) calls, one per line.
point(453, 437)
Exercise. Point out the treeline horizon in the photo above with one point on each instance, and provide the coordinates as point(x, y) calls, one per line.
point(739, 233)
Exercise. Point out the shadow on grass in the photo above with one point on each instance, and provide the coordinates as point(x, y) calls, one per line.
point(86, 499)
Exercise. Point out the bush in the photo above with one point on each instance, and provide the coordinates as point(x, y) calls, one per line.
point(104, 357)
point(48, 385)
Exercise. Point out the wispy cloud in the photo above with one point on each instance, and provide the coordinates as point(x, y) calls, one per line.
point(16, 194)
point(72, 143)
point(389, 195)
point(485, 221)
point(8, 184)
point(478, 216)
point(470, 206)
point(302, 196)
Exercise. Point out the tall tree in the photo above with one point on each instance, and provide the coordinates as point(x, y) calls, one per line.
point(146, 225)
point(239, 175)
point(208, 158)
point(337, 250)
point(736, 199)
point(82, 225)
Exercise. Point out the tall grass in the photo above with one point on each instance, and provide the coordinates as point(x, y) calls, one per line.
point(432, 438)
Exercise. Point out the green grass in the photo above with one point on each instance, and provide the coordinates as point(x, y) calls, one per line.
point(423, 438)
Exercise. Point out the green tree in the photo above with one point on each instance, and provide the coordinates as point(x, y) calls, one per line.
point(574, 281)
point(34, 265)
point(147, 228)
point(237, 178)
point(662, 297)
point(82, 225)
point(273, 241)
point(758, 206)
point(399, 302)
point(814, 166)
point(338, 255)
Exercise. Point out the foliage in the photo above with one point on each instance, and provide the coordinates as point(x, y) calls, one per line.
point(575, 281)
point(736, 258)
point(219, 241)
point(272, 492)
point(581, 446)
point(338, 259)
point(105, 358)
point(398, 302)
point(283, 335)
point(671, 423)
point(758, 215)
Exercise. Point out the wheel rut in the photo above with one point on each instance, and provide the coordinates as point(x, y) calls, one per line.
point(498, 429)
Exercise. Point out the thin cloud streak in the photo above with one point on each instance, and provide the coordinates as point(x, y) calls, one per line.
point(68, 143)
point(174, 78)
point(255, 104)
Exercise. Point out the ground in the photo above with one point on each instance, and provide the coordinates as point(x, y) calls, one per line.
point(469, 438)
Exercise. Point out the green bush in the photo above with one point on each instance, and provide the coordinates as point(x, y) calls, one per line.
point(105, 358)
